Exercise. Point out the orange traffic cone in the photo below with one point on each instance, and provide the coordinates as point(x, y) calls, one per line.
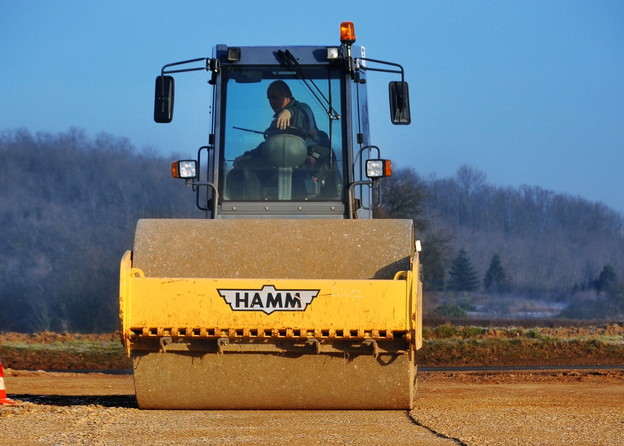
point(3, 395)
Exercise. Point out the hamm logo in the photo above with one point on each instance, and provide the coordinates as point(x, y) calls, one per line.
point(268, 299)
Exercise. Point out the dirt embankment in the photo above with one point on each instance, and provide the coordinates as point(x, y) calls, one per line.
point(448, 345)
point(444, 345)
point(62, 351)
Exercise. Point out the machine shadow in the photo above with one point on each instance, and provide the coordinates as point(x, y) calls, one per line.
point(128, 401)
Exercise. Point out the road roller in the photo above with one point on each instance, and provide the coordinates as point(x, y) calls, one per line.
point(284, 292)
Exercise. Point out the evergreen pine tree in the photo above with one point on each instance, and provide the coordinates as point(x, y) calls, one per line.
point(462, 276)
point(496, 278)
point(606, 279)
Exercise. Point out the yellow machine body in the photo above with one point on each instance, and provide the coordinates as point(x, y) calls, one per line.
point(274, 314)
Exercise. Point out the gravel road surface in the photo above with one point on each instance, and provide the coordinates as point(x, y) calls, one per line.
point(453, 408)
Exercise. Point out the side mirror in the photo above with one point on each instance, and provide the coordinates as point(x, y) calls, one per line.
point(399, 103)
point(163, 99)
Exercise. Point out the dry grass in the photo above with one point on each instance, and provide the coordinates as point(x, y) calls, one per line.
point(444, 345)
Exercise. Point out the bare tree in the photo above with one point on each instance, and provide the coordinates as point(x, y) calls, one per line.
point(470, 180)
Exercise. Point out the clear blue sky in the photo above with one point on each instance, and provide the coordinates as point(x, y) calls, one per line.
point(529, 92)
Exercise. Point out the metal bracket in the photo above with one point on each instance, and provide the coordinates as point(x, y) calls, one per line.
point(374, 345)
point(314, 343)
point(164, 342)
point(222, 342)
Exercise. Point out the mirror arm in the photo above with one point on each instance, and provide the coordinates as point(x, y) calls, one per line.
point(383, 70)
point(210, 65)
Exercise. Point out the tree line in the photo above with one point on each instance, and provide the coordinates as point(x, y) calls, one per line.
point(70, 203)
point(68, 210)
point(523, 241)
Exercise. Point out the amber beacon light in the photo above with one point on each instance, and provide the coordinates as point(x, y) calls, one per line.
point(347, 33)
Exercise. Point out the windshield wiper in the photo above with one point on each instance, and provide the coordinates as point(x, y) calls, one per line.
point(249, 130)
point(291, 62)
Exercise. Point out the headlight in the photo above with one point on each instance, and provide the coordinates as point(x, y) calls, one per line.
point(333, 53)
point(378, 168)
point(184, 169)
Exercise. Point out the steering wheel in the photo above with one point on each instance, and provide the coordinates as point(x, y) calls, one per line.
point(296, 131)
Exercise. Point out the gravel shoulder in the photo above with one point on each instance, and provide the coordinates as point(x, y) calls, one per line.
point(528, 408)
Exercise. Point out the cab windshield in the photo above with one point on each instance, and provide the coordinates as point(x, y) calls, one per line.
point(282, 136)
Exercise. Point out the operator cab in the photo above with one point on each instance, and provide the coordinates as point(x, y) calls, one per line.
point(289, 132)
